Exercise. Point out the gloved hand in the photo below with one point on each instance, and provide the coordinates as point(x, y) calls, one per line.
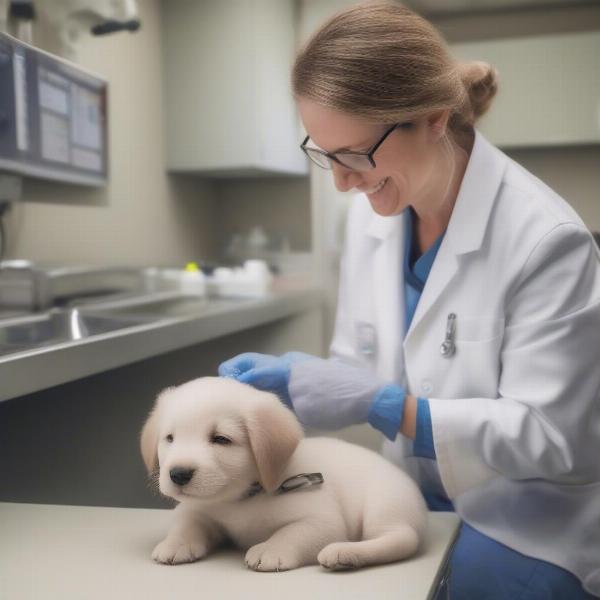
point(324, 394)
point(263, 371)
point(329, 394)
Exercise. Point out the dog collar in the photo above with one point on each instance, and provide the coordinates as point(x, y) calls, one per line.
point(289, 485)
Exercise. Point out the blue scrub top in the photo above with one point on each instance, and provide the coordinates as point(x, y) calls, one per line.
point(416, 267)
point(416, 270)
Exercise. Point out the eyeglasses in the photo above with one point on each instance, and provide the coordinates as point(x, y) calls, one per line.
point(356, 161)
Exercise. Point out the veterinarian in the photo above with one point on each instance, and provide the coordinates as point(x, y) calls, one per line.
point(468, 322)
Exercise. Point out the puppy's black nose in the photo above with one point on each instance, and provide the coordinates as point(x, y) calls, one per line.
point(181, 476)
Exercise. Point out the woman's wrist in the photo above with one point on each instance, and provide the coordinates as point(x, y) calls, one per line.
point(408, 426)
point(386, 411)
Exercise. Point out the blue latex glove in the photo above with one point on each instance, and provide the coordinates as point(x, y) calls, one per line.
point(324, 394)
point(264, 371)
point(328, 394)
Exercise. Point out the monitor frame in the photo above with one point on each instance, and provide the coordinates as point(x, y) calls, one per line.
point(31, 162)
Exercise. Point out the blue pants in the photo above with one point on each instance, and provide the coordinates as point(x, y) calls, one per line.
point(483, 569)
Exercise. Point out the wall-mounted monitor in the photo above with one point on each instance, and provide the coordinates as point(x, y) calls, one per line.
point(53, 116)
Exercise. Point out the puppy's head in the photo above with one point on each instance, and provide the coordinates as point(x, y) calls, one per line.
point(212, 437)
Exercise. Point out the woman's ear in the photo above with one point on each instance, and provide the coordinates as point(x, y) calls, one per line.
point(437, 123)
point(149, 435)
point(274, 433)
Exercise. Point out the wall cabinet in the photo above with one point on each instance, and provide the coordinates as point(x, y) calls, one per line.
point(227, 93)
point(549, 91)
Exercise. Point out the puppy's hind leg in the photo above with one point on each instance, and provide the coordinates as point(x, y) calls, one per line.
point(395, 543)
point(294, 545)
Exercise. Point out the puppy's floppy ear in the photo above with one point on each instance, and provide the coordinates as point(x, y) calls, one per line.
point(274, 434)
point(149, 436)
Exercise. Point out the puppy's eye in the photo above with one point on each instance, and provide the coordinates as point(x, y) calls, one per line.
point(220, 439)
point(169, 438)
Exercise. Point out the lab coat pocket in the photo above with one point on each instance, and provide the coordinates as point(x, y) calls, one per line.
point(474, 370)
point(478, 329)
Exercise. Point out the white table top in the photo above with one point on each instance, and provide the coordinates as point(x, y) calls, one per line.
point(50, 552)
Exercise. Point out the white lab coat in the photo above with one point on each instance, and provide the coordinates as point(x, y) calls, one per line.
point(516, 411)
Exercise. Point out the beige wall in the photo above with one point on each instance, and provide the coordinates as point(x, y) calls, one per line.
point(279, 205)
point(571, 171)
point(142, 216)
point(147, 217)
point(507, 23)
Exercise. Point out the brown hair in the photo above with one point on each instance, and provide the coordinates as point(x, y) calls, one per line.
point(382, 62)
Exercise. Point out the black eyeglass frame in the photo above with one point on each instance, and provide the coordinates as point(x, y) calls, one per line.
point(369, 154)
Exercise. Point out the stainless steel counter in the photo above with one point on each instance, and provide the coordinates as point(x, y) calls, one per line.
point(141, 334)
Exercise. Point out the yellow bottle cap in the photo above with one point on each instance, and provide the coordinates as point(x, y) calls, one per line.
point(191, 267)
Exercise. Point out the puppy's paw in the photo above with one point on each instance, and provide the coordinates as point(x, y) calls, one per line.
point(173, 551)
point(340, 555)
point(269, 557)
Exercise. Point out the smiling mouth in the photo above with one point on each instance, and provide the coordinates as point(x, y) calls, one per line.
point(376, 188)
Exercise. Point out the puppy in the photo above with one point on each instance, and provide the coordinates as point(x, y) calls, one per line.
point(229, 455)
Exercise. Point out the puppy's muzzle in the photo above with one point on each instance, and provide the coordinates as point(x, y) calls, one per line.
point(180, 475)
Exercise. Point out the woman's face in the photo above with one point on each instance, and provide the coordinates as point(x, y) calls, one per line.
point(409, 170)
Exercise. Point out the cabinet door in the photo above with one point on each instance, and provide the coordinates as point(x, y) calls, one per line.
point(549, 89)
point(228, 102)
point(279, 134)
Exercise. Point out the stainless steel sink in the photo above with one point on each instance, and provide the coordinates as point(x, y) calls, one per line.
point(66, 304)
point(58, 326)
point(93, 317)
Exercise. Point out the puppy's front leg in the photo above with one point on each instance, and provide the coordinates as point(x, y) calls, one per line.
point(295, 545)
point(190, 538)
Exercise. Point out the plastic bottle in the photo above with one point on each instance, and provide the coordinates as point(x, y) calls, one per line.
point(192, 281)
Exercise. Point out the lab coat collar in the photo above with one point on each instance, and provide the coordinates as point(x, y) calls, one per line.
point(476, 196)
point(468, 223)
point(474, 202)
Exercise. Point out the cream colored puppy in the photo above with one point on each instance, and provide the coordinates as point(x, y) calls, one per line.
point(223, 450)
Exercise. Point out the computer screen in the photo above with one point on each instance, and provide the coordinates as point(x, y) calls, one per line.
point(53, 116)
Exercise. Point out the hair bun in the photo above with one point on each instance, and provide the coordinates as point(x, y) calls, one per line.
point(481, 83)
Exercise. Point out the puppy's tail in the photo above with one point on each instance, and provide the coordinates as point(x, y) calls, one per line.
point(396, 544)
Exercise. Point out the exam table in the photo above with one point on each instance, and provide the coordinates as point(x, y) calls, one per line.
point(60, 552)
